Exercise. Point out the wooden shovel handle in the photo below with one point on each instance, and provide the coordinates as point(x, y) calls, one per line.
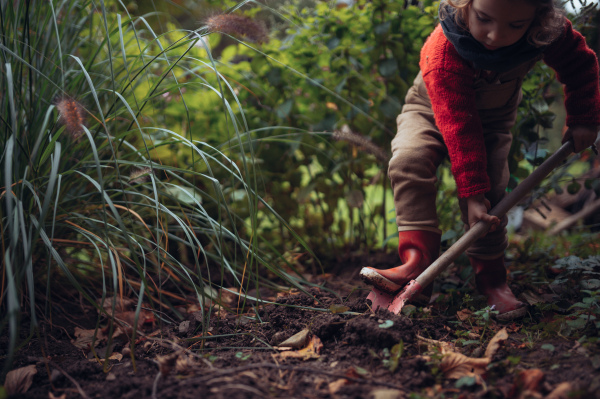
point(481, 227)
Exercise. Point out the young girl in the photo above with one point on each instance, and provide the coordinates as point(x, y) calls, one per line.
point(462, 105)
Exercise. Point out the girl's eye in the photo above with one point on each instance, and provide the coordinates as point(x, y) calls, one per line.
point(481, 19)
point(518, 26)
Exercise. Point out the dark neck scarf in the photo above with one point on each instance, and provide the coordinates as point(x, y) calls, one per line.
point(501, 60)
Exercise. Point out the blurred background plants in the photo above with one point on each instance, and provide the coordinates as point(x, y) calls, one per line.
point(147, 155)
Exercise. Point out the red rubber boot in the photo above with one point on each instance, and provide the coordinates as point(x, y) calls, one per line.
point(417, 250)
point(490, 276)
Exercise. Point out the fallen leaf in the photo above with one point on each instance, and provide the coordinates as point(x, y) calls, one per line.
point(561, 391)
point(496, 342)
point(337, 385)
point(311, 351)
point(19, 380)
point(526, 381)
point(463, 314)
point(338, 309)
point(445, 347)
point(116, 356)
point(83, 338)
point(184, 364)
point(386, 393)
point(51, 396)
point(457, 365)
point(297, 340)
point(167, 362)
point(121, 304)
point(532, 298)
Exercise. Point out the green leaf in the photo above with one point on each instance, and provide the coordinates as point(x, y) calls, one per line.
point(590, 284)
point(274, 76)
point(386, 324)
point(573, 188)
point(388, 67)
point(577, 323)
point(548, 347)
point(333, 43)
point(466, 381)
point(382, 28)
point(284, 109)
point(408, 310)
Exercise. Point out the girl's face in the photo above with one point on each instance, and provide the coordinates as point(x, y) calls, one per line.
point(499, 23)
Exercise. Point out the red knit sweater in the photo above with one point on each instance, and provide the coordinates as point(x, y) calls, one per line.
point(449, 79)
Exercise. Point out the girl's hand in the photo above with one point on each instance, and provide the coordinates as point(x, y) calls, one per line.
point(582, 136)
point(478, 207)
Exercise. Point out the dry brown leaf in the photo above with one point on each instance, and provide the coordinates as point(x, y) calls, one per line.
point(496, 342)
point(184, 364)
point(457, 365)
point(561, 391)
point(311, 351)
point(532, 298)
point(445, 347)
point(116, 356)
point(120, 305)
point(337, 385)
point(527, 382)
point(386, 393)
point(167, 362)
point(83, 338)
point(531, 379)
point(297, 340)
point(19, 380)
point(51, 396)
point(463, 314)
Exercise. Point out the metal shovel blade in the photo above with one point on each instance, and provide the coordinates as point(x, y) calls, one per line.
point(394, 302)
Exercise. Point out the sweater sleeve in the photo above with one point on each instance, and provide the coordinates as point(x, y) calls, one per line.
point(449, 82)
point(576, 67)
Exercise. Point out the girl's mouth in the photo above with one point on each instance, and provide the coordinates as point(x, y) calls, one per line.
point(487, 46)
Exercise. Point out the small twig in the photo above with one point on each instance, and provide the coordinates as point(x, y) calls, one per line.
point(155, 385)
point(367, 145)
point(295, 368)
point(79, 389)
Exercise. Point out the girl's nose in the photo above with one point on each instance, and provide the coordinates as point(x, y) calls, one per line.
point(493, 35)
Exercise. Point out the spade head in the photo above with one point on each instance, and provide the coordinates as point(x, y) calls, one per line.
point(394, 302)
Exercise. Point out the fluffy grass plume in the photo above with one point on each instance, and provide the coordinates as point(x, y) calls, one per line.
point(238, 26)
point(72, 116)
point(345, 134)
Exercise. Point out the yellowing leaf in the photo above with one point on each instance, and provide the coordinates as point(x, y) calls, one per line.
point(496, 342)
point(19, 380)
point(311, 351)
point(338, 309)
point(561, 391)
point(445, 347)
point(336, 385)
point(457, 365)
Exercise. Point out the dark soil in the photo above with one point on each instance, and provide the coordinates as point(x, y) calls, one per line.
point(236, 356)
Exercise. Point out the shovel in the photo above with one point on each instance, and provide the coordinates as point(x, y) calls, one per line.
point(395, 302)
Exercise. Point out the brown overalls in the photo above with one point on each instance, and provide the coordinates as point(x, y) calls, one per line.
point(418, 149)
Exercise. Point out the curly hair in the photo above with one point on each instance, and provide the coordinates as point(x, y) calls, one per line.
point(546, 27)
